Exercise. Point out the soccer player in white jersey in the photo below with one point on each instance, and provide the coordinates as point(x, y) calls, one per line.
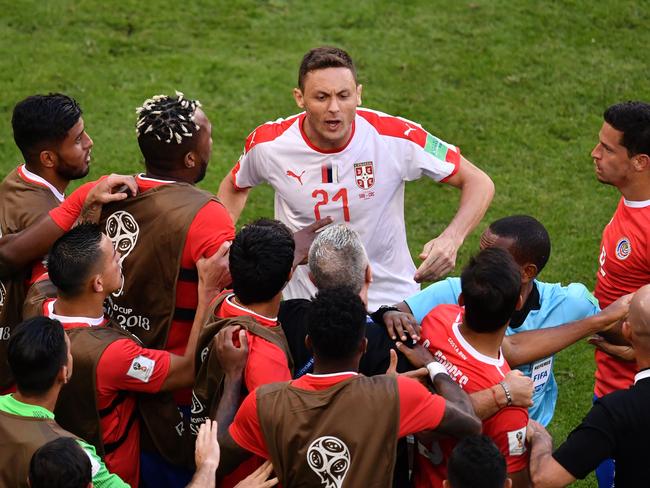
point(351, 164)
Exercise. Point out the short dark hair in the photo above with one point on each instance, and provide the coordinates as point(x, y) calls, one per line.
point(336, 323)
point(166, 129)
point(324, 57)
point(61, 463)
point(632, 118)
point(531, 242)
point(73, 257)
point(490, 284)
point(261, 258)
point(41, 120)
point(36, 352)
point(476, 462)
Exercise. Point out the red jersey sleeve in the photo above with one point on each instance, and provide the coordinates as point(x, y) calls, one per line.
point(211, 227)
point(245, 428)
point(125, 365)
point(418, 408)
point(266, 363)
point(507, 429)
point(66, 214)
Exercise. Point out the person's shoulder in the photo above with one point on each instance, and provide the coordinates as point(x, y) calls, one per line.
point(445, 310)
point(393, 126)
point(568, 295)
point(269, 131)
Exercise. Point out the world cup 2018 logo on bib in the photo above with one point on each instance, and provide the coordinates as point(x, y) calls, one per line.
point(329, 458)
point(623, 248)
point(364, 174)
point(123, 231)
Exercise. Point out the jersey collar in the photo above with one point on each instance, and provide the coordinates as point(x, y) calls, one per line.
point(636, 204)
point(27, 175)
point(80, 321)
point(248, 311)
point(642, 375)
point(470, 349)
point(12, 406)
point(301, 120)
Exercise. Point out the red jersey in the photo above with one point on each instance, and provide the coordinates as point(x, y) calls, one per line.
point(211, 227)
point(117, 372)
point(266, 363)
point(624, 267)
point(473, 372)
point(418, 409)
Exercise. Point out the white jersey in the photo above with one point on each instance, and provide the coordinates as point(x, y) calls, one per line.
point(361, 184)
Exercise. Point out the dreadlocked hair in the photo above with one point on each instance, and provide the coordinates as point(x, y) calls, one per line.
point(167, 118)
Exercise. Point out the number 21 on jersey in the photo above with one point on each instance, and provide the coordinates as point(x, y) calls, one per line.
point(323, 197)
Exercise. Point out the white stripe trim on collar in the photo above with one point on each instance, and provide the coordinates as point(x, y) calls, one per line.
point(473, 352)
point(636, 204)
point(64, 319)
point(331, 375)
point(248, 310)
point(642, 375)
point(59, 196)
point(141, 176)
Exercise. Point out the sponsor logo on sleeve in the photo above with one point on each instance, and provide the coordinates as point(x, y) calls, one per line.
point(517, 442)
point(141, 368)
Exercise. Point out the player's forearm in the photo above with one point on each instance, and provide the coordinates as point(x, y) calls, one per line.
point(489, 401)
point(447, 388)
point(541, 464)
point(233, 199)
point(525, 347)
point(476, 193)
point(204, 476)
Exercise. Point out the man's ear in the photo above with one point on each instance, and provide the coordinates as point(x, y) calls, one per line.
point(368, 274)
point(62, 375)
point(461, 300)
point(364, 346)
point(308, 344)
point(98, 283)
point(641, 162)
point(190, 160)
point(48, 158)
point(359, 90)
point(528, 272)
point(626, 330)
point(299, 97)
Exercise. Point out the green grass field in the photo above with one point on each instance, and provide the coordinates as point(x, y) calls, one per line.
point(520, 86)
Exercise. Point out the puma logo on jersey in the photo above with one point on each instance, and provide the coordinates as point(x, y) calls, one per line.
point(408, 131)
point(294, 175)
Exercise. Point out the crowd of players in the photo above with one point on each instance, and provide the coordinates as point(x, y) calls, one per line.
point(158, 347)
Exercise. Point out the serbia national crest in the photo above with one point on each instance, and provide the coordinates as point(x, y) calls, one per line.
point(364, 175)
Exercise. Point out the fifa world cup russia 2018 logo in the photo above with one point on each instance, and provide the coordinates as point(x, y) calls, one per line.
point(123, 231)
point(329, 458)
point(623, 248)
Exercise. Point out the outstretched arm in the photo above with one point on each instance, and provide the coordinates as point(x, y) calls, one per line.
point(476, 192)
point(18, 250)
point(529, 346)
